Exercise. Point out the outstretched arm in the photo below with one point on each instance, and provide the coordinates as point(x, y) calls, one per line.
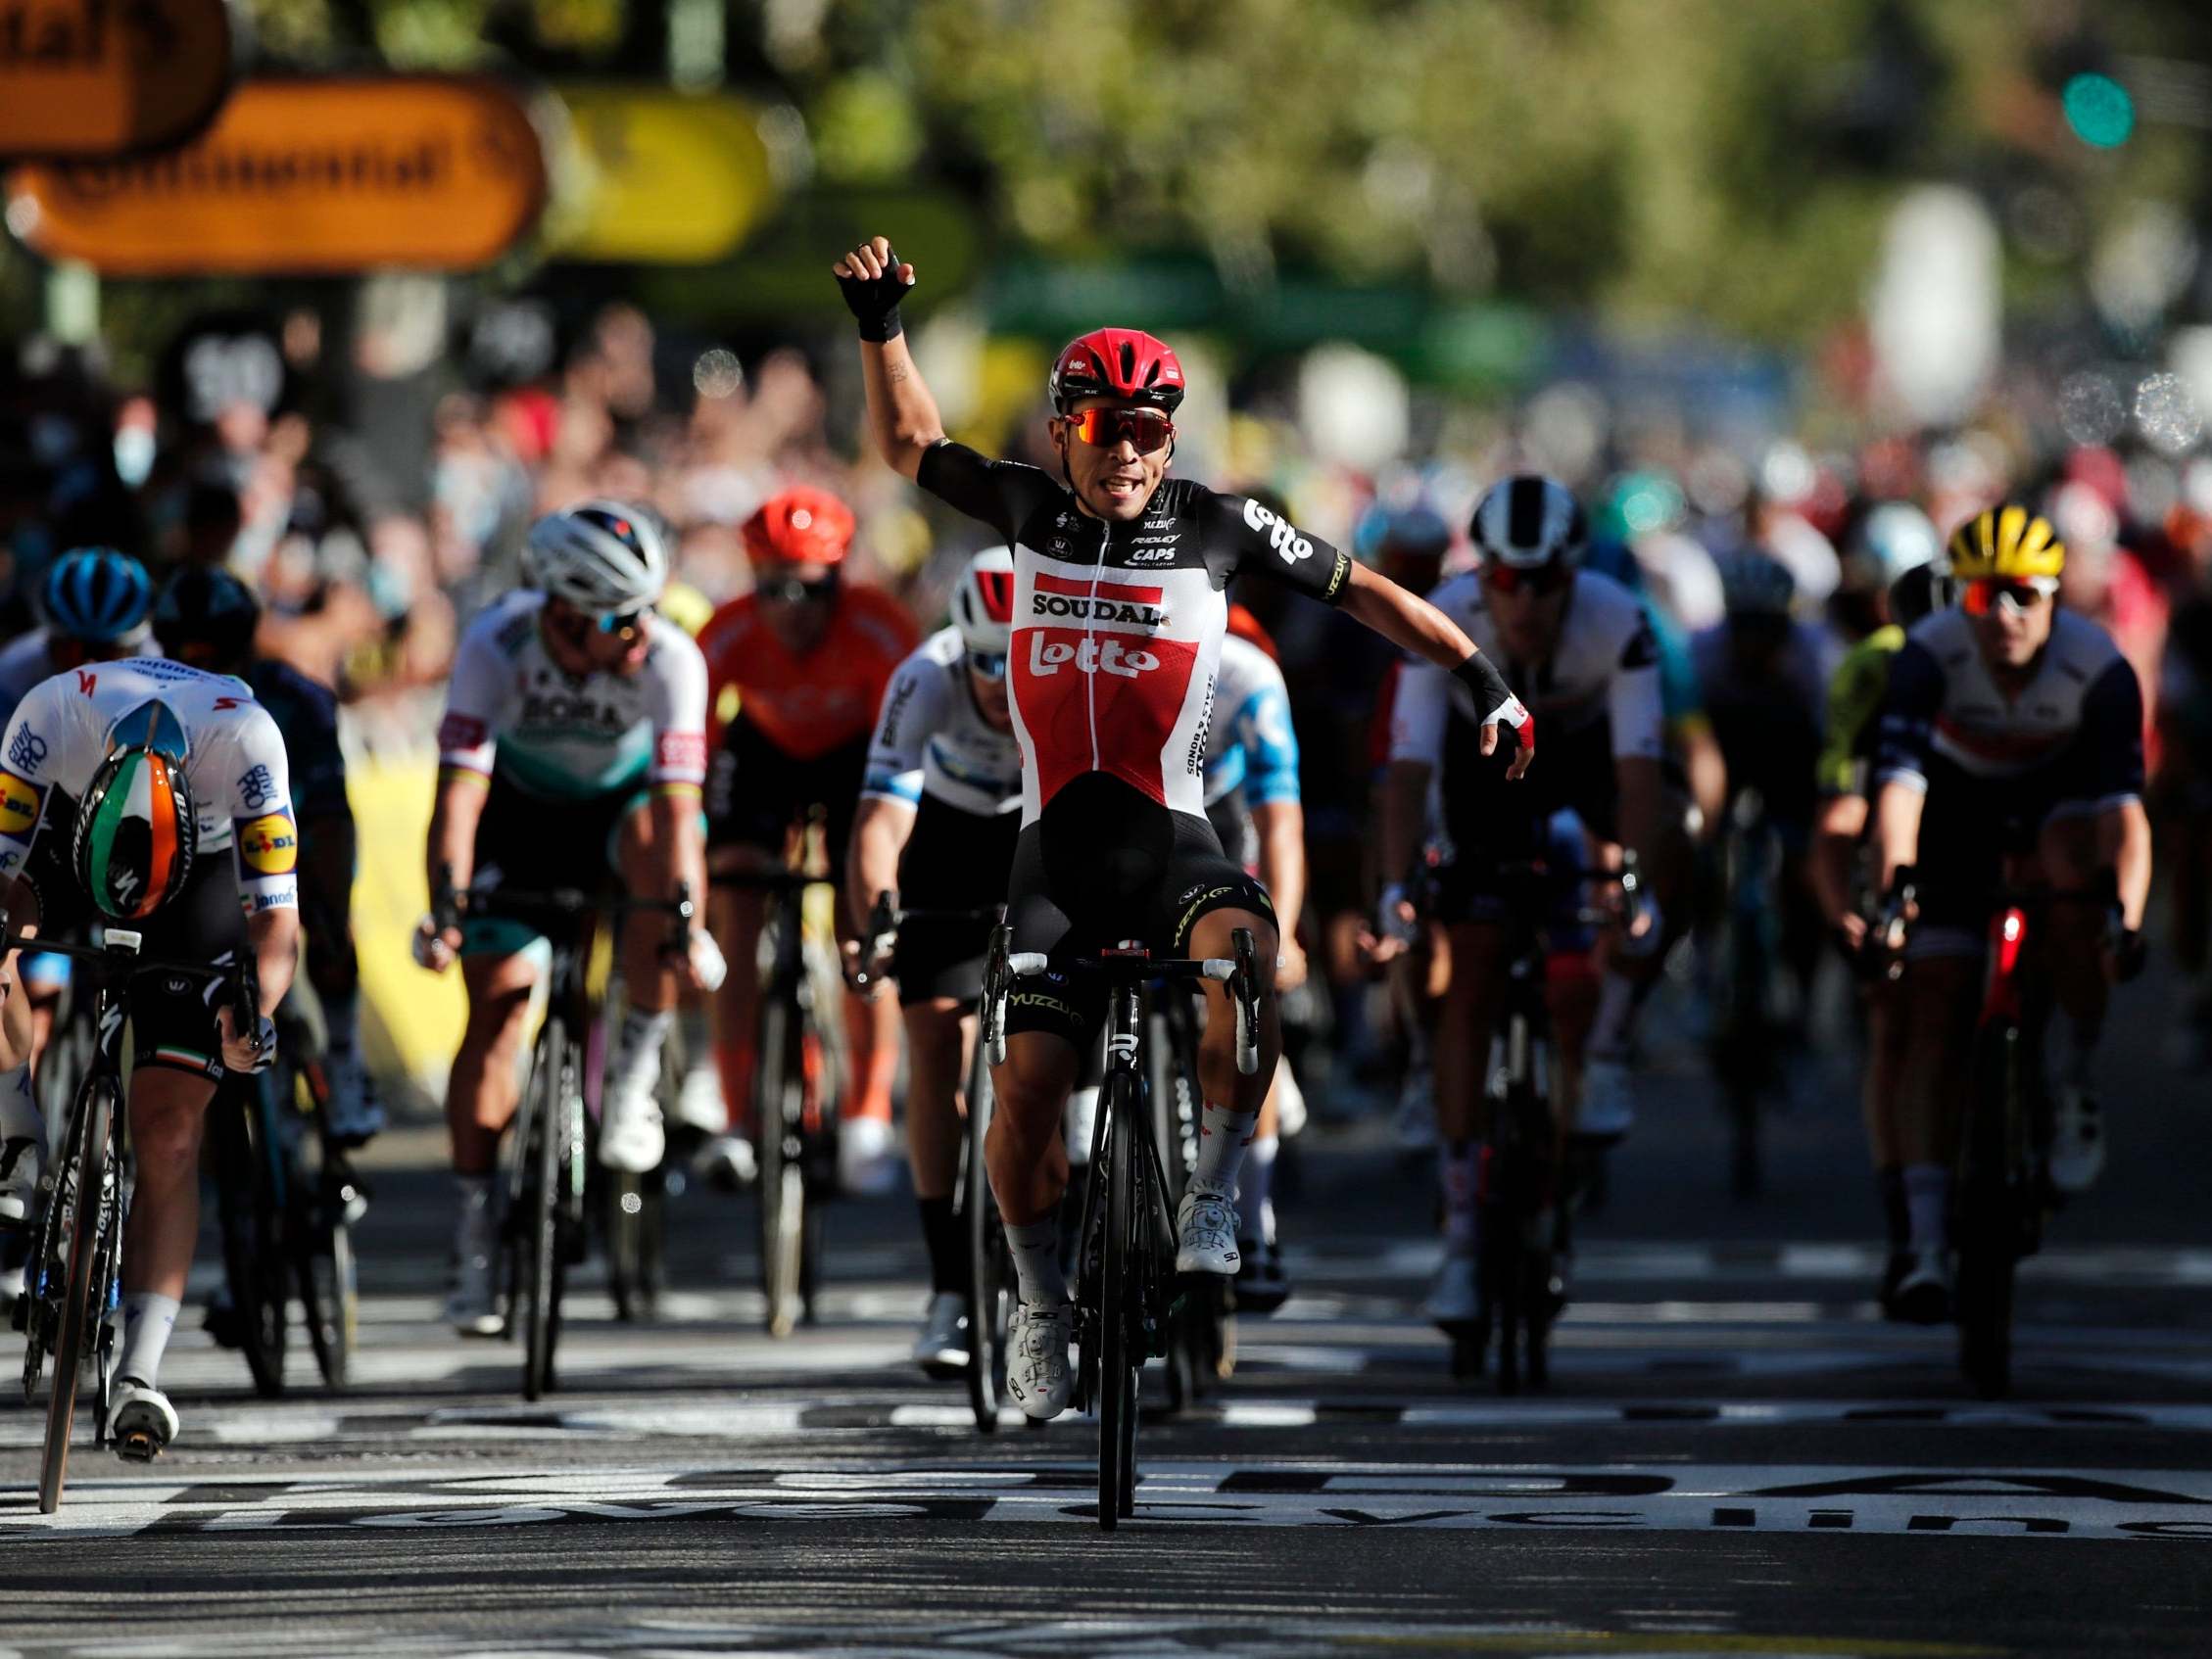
point(902, 416)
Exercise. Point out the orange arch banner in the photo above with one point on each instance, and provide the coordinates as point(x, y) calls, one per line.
point(97, 77)
point(311, 177)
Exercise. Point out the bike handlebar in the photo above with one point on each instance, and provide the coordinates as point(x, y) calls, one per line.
point(1132, 965)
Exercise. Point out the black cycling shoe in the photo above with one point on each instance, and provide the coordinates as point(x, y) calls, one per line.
point(221, 1322)
point(1261, 1286)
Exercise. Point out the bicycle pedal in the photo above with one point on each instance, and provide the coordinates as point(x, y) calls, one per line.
point(138, 1447)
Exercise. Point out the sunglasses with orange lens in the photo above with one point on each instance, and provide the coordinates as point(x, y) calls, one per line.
point(1506, 577)
point(1985, 593)
point(1145, 429)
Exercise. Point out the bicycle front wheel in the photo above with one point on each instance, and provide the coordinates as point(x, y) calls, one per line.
point(82, 1184)
point(1990, 1203)
point(783, 1175)
point(255, 1269)
point(542, 1262)
point(1119, 1287)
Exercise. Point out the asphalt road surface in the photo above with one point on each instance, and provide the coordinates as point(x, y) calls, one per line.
point(1737, 1456)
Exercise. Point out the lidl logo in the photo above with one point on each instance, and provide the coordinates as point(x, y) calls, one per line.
point(270, 844)
point(18, 805)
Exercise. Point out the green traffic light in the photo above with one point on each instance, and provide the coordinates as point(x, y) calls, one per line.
point(2099, 109)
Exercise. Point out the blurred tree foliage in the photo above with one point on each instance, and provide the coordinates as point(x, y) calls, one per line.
point(1652, 161)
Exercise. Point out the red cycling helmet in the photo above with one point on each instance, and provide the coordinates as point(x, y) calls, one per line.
point(802, 525)
point(1123, 363)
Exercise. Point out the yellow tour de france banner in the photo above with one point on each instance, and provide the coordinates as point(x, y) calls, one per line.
point(314, 175)
point(657, 177)
point(411, 1018)
point(86, 78)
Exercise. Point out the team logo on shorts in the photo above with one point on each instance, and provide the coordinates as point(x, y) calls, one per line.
point(18, 805)
point(270, 844)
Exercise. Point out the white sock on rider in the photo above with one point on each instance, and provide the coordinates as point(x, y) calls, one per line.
point(1035, 1249)
point(1927, 1201)
point(1456, 1163)
point(147, 1320)
point(1223, 1134)
point(1616, 1012)
point(1255, 1184)
point(637, 1052)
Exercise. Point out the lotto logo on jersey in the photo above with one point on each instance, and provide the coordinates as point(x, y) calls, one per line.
point(18, 805)
point(1282, 534)
point(270, 844)
point(1089, 653)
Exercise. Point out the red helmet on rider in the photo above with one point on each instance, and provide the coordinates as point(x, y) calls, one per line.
point(802, 525)
point(1126, 365)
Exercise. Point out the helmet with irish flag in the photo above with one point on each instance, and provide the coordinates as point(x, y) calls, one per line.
point(135, 825)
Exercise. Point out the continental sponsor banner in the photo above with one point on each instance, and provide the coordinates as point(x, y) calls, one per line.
point(100, 78)
point(661, 178)
point(313, 175)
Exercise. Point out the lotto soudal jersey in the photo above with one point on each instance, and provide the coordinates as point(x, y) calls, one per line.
point(933, 740)
point(1118, 627)
point(2082, 703)
point(564, 737)
point(1603, 667)
point(234, 763)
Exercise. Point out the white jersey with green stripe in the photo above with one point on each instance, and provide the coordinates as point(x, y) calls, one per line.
point(234, 764)
point(562, 737)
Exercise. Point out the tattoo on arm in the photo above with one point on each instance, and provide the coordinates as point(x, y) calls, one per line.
point(896, 373)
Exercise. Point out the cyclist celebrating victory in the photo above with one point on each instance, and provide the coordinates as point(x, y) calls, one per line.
point(122, 785)
point(573, 747)
point(1118, 612)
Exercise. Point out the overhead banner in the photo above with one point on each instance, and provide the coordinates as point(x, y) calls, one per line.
point(311, 177)
point(661, 178)
point(85, 79)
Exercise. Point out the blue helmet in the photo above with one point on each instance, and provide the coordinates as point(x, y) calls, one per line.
point(1754, 585)
point(97, 595)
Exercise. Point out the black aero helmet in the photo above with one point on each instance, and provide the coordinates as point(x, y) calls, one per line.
point(206, 616)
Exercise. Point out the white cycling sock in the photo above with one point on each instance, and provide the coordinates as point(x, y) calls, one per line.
point(147, 1320)
point(1255, 1185)
point(1616, 1012)
point(1035, 1249)
point(1927, 1201)
point(1224, 1132)
point(1455, 1165)
point(637, 1054)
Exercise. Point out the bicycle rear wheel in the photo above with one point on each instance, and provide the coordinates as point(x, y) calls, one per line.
point(83, 1185)
point(544, 1261)
point(256, 1264)
point(990, 1288)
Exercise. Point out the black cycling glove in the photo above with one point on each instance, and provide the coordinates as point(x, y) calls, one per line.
point(874, 301)
point(1494, 699)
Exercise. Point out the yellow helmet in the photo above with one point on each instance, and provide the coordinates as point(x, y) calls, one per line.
point(2007, 541)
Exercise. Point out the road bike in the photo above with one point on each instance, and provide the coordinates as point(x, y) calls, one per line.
point(796, 1099)
point(72, 1279)
point(1746, 1038)
point(1125, 1259)
point(286, 1198)
point(1526, 1183)
point(989, 1287)
point(551, 1141)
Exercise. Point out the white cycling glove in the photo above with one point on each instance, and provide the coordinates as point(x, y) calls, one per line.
point(708, 963)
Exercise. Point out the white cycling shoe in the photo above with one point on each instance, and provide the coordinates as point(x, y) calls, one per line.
point(19, 1178)
point(1608, 1100)
point(1924, 1294)
point(868, 1157)
point(727, 1162)
point(941, 1350)
point(1455, 1299)
point(143, 1421)
point(632, 1138)
point(1206, 1232)
point(2077, 1141)
point(1038, 1335)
